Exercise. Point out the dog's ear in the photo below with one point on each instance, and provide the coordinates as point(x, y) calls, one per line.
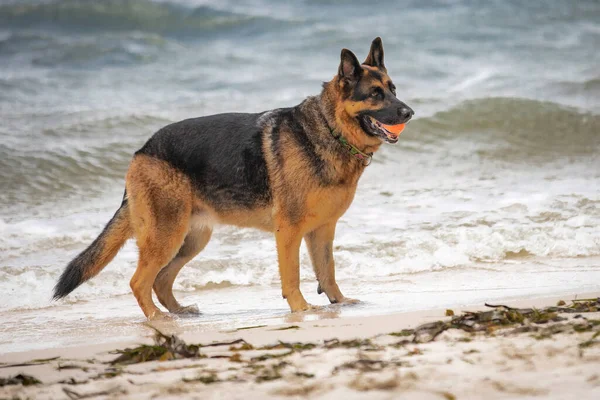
point(375, 57)
point(350, 69)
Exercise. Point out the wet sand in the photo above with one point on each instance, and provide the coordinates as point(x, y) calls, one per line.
point(352, 357)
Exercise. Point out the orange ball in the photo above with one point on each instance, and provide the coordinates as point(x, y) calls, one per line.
point(396, 129)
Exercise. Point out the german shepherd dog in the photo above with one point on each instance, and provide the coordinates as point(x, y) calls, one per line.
point(290, 171)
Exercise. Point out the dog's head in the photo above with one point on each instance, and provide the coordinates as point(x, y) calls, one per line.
point(368, 95)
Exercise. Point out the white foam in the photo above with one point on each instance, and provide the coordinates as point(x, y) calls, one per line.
point(418, 224)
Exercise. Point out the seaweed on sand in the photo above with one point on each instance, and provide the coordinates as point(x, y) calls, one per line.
point(367, 365)
point(403, 333)
point(164, 348)
point(499, 317)
point(171, 348)
point(271, 373)
point(591, 342)
point(264, 357)
point(285, 328)
point(206, 378)
point(502, 316)
point(20, 379)
point(38, 361)
point(364, 344)
point(299, 346)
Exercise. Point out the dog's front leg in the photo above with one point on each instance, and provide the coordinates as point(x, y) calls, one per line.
point(320, 249)
point(288, 240)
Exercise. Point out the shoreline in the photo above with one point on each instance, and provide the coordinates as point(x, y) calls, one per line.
point(90, 318)
point(328, 318)
point(327, 371)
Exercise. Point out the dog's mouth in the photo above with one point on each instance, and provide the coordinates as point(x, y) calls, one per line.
point(389, 133)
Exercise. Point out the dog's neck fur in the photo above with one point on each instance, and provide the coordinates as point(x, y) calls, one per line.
point(331, 100)
point(321, 115)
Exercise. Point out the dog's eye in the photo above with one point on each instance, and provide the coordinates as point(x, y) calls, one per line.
point(377, 93)
point(393, 89)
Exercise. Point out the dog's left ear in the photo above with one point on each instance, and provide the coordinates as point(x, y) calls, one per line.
point(375, 57)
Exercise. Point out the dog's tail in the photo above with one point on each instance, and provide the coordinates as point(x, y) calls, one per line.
point(102, 250)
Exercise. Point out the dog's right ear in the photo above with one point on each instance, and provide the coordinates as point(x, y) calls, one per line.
point(350, 69)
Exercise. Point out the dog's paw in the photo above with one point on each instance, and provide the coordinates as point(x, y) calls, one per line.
point(308, 307)
point(190, 310)
point(347, 300)
point(160, 316)
point(312, 307)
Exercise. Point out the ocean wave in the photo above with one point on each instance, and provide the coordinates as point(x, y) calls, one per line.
point(99, 150)
point(115, 49)
point(68, 159)
point(513, 128)
point(589, 85)
point(120, 15)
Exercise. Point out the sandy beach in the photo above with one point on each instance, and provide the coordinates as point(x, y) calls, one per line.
point(526, 349)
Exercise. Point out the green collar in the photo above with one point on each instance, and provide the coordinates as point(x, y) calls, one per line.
point(364, 157)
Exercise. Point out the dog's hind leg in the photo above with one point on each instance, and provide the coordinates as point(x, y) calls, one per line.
point(160, 211)
point(194, 242)
point(155, 252)
point(320, 248)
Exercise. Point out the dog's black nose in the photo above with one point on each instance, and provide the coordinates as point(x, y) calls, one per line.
point(405, 112)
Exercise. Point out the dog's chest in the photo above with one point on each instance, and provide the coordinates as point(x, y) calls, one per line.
point(330, 203)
